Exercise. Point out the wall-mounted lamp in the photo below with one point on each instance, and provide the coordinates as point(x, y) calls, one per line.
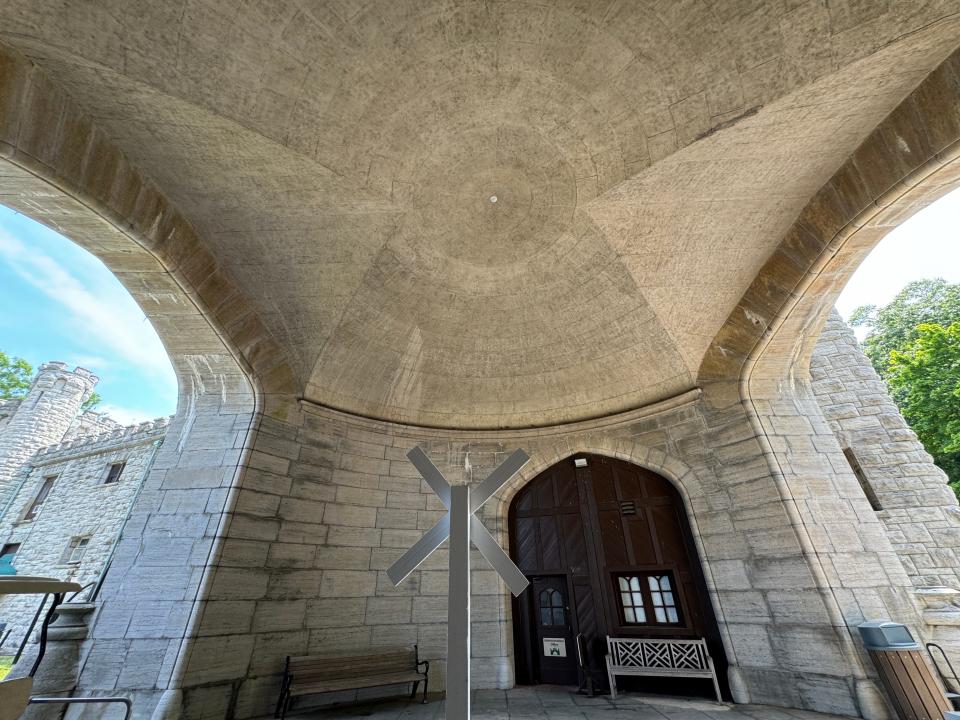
point(580, 462)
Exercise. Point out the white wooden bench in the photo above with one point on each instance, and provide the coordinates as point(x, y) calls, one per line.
point(665, 658)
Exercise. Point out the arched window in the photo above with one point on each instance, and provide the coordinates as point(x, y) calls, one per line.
point(551, 608)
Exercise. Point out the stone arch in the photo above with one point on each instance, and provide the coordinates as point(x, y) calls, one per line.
point(906, 163)
point(760, 357)
point(681, 476)
point(58, 168)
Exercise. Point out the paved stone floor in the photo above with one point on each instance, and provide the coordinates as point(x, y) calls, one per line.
point(557, 703)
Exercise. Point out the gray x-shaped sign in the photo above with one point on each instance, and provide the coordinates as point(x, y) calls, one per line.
point(482, 539)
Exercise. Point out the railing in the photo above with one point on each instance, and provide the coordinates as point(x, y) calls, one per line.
point(953, 673)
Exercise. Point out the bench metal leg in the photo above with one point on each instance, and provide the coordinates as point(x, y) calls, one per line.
point(413, 689)
point(425, 681)
point(284, 694)
point(85, 700)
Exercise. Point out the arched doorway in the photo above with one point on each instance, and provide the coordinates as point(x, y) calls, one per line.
point(608, 550)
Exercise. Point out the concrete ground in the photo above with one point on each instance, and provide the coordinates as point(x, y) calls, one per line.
point(557, 703)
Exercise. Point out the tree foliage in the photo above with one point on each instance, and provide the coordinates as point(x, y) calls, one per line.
point(895, 326)
point(925, 376)
point(914, 344)
point(91, 402)
point(15, 375)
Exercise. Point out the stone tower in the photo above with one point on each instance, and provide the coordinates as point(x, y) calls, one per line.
point(41, 418)
point(908, 492)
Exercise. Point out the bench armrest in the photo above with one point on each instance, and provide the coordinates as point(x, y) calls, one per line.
point(426, 669)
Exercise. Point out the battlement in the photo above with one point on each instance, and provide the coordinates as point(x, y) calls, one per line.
point(130, 433)
point(79, 379)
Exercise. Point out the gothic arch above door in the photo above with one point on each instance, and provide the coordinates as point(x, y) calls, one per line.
point(613, 538)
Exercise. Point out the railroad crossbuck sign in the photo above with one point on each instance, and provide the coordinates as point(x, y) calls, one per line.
point(461, 526)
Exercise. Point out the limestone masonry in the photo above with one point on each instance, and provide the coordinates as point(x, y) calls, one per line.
point(367, 524)
point(299, 196)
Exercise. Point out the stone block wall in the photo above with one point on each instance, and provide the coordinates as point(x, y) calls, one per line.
point(329, 501)
point(79, 505)
point(160, 574)
point(919, 511)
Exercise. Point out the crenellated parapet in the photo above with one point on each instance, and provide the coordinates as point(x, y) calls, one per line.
point(148, 430)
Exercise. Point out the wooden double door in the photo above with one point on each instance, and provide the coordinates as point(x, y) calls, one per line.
point(608, 551)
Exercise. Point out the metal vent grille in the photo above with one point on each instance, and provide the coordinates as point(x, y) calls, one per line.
point(628, 507)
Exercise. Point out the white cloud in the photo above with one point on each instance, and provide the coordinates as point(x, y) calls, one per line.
point(124, 415)
point(100, 312)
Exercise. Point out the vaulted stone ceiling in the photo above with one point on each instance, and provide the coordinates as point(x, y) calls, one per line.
point(341, 160)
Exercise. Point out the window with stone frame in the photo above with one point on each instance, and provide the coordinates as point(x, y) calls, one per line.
point(647, 598)
point(75, 550)
point(40, 498)
point(113, 472)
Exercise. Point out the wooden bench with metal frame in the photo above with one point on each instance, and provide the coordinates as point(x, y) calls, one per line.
point(659, 657)
point(315, 674)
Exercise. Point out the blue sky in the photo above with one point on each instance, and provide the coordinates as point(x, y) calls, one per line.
point(925, 246)
point(61, 303)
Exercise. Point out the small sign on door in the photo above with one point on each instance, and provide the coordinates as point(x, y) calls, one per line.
point(555, 647)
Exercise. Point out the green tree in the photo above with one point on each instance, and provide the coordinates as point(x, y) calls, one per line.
point(912, 345)
point(15, 374)
point(925, 377)
point(894, 326)
point(91, 402)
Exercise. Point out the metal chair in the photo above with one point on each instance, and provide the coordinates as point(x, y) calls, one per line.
point(15, 693)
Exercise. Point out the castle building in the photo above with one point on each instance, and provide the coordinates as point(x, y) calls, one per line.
point(64, 506)
point(608, 233)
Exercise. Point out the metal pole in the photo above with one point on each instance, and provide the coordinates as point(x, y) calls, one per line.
point(458, 606)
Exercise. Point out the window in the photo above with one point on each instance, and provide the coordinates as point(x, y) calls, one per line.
point(113, 472)
point(862, 479)
point(631, 599)
point(661, 592)
point(75, 550)
point(648, 598)
point(7, 554)
point(40, 497)
point(551, 608)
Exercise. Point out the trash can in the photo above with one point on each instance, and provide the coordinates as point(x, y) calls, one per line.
point(910, 684)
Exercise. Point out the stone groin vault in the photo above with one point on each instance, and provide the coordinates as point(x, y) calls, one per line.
point(611, 229)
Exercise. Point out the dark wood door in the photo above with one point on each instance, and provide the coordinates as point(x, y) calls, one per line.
point(556, 653)
point(618, 536)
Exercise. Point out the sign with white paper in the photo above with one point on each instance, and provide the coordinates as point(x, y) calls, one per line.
point(555, 647)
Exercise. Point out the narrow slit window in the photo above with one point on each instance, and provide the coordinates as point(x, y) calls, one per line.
point(631, 600)
point(862, 479)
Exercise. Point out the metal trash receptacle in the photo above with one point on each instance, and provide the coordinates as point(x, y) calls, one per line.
point(911, 686)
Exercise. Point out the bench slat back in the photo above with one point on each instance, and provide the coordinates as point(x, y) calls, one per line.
point(377, 662)
point(665, 654)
